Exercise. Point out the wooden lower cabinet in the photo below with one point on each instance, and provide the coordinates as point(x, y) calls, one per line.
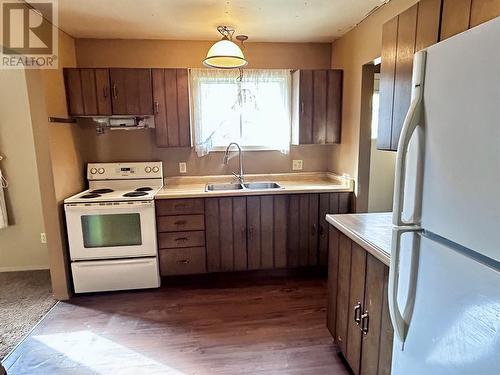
point(358, 316)
point(248, 232)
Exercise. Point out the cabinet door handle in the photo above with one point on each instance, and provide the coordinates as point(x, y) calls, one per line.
point(180, 205)
point(180, 222)
point(302, 107)
point(157, 107)
point(115, 91)
point(105, 92)
point(313, 229)
point(179, 239)
point(365, 320)
point(357, 313)
point(183, 261)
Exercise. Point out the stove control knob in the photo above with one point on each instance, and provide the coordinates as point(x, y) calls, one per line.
point(147, 169)
point(93, 170)
point(100, 170)
point(156, 169)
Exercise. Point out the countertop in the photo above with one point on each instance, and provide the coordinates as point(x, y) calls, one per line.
point(371, 231)
point(291, 183)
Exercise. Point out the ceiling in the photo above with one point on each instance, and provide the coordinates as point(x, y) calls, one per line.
point(261, 20)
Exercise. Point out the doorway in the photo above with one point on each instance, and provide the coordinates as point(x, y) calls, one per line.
point(376, 167)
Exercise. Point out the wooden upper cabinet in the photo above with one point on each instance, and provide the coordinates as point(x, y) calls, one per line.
point(171, 107)
point(460, 15)
point(131, 91)
point(87, 92)
point(317, 106)
point(414, 29)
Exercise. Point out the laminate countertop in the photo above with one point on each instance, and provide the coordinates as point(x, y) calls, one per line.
point(291, 183)
point(372, 231)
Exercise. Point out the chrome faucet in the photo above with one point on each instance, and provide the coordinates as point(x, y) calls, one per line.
point(240, 157)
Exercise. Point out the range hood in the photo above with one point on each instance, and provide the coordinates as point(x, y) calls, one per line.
point(125, 122)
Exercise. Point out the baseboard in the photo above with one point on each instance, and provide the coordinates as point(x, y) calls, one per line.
point(23, 268)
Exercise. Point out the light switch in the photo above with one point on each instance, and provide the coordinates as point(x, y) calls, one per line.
point(297, 165)
point(182, 168)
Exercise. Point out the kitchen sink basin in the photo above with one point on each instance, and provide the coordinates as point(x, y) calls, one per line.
point(262, 185)
point(223, 187)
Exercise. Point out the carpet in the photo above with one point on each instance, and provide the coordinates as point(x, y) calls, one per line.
point(25, 297)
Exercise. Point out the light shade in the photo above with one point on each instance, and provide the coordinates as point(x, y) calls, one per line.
point(225, 55)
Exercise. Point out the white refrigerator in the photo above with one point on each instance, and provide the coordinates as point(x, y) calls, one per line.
point(444, 281)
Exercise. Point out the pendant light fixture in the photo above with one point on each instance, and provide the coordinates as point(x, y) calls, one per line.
point(225, 54)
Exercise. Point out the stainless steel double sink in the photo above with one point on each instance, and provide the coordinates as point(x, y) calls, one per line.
point(247, 185)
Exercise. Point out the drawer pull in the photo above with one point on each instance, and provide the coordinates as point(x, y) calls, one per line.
point(364, 322)
point(105, 92)
point(115, 91)
point(313, 230)
point(181, 205)
point(179, 239)
point(357, 313)
point(180, 222)
point(183, 261)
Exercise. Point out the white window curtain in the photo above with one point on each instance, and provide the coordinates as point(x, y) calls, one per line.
point(253, 110)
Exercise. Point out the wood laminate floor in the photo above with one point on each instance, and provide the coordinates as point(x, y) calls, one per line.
point(266, 327)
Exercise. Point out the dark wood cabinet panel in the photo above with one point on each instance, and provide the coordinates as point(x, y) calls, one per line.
point(180, 223)
point(267, 232)
point(343, 280)
point(387, 77)
point(253, 233)
point(355, 309)
point(318, 106)
point(306, 106)
point(334, 106)
point(373, 306)
point(280, 230)
point(427, 34)
point(171, 107)
point(333, 272)
point(455, 17)
point(87, 91)
point(184, 261)
point(302, 238)
point(404, 66)
point(483, 10)
point(386, 332)
point(74, 95)
point(180, 206)
point(320, 86)
point(225, 223)
point(131, 91)
point(171, 240)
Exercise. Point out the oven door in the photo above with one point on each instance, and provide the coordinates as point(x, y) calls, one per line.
point(111, 230)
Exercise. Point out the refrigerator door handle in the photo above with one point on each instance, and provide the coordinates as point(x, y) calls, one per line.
point(398, 322)
point(411, 121)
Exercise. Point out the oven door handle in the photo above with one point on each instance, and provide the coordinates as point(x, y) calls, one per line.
point(108, 207)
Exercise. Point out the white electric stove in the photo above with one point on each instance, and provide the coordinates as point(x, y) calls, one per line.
point(112, 228)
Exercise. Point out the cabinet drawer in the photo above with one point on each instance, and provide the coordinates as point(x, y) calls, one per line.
point(179, 206)
point(189, 260)
point(181, 239)
point(181, 223)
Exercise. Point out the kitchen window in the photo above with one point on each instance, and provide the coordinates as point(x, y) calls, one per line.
point(252, 109)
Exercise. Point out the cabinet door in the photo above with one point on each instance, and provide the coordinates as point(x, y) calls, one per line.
point(132, 92)
point(333, 272)
point(171, 107)
point(344, 277)
point(483, 10)
point(74, 95)
point(320, 86)
point(407, 25)
point(355, 309)
point(103, 92)
point(267, 231)
point(455, 17)
point(334, 106)
point(376, 273)
point(303, 230)
point(306, 107)
point(225, 223)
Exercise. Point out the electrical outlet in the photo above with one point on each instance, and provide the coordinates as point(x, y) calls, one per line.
point(182, 168)
point(43, 237)
point(297, 165)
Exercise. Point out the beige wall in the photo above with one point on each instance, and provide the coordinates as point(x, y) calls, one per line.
point(20, 247)
point(58, 154)
point(140, 145)
point(359, 46)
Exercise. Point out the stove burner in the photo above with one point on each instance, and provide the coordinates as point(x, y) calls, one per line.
point(135, 194)
point(90, 195)
point(101, 191)
point(145, 188)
